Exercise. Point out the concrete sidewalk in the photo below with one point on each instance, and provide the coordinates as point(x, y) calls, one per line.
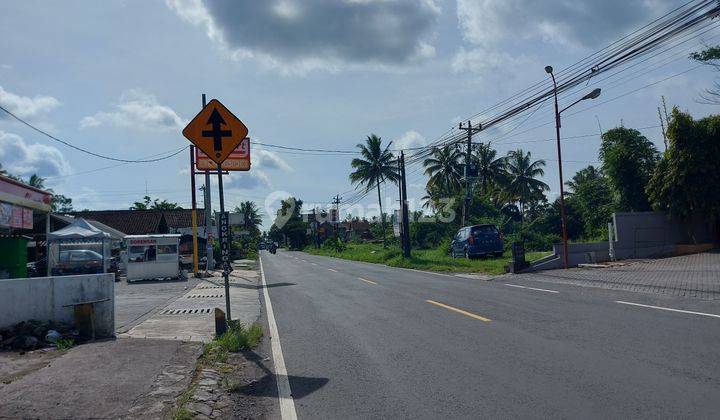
point(694, 276)
point(191, 316)
point(110, 379)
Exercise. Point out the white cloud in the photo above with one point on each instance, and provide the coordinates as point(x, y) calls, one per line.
point(139, 110)
point(23, 159)
point(250, 180)
point(479, 60)
point(24, 106)
point(269, 160)
point(586, 23)
point(297, 36)
point(409, 140)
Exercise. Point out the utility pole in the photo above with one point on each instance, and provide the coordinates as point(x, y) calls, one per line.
point(468, 161)
point(210, 263)
point(336, 201)
point(314, 226)
point(400, 201)
point(405, 216)
point(193, 214)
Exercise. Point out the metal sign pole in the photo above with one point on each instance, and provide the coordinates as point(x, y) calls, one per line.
point(223, 236)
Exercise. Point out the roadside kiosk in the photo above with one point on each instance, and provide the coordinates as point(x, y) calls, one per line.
point(151, 257)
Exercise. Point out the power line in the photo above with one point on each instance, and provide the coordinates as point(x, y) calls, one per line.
point(72, 146)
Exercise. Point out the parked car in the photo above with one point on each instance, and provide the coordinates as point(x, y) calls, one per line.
point(477, 241)
point(78, 261)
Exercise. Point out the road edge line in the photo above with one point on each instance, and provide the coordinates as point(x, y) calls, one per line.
point(285, 399)
point(662, 308)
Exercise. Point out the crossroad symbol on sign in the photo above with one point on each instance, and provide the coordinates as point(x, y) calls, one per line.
point(216, 131)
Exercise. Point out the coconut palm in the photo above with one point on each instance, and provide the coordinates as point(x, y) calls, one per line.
point(251, 216)
point(445, 171)
point(490, 168)
point(376, 165)
point(36, 181)
point(522, 185)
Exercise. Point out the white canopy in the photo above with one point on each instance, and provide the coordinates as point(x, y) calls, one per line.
point(79, 229)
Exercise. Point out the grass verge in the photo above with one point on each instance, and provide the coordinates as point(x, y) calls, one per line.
point(423, 259)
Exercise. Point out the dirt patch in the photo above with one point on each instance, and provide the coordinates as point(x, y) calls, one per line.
point(15, 365)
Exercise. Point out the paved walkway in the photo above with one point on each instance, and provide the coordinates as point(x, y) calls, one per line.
point(696, 276)
point(109, 379)
point(191, 316)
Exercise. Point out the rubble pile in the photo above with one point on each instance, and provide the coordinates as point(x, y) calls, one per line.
point(33, 334)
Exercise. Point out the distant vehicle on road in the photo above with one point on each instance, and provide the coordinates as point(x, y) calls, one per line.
point(477, 241)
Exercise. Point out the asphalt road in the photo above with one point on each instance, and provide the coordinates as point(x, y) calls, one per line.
point(368, 341)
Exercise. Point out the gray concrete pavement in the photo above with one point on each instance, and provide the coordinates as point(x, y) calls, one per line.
point(111, 379)
point(695, 276)
point(191, 316)
point(363, 340)
point(137, 301)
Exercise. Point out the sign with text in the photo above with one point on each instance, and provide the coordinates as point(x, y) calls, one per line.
point(225, 240)
point(238, 160)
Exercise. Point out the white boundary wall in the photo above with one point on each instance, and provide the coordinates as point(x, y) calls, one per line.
point(44, 299)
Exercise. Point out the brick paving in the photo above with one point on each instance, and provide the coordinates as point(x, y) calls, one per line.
point(696, 276)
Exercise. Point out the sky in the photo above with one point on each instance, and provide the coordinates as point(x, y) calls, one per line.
point(122, 78)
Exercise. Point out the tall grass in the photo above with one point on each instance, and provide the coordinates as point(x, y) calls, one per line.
point(422, 259)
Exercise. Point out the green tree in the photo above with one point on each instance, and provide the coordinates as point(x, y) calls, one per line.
point(142, 205)
point(445, 171)
point(590, 194)
point(628, 160)
point(36, 181)
point(251, 217)
point(7, 174)
point(522, 185)
point(490, 168)
point(687, 180)
point(376, 165)
point(711, 57)
point(61, 204)
point(289, 224)
point(157, 204)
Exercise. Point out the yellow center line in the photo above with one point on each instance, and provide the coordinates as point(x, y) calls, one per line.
point(330, 269)
point(460, 311)
point(367, 281)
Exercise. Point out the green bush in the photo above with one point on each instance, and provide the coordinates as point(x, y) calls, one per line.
point(334, 244)
point(238, 337)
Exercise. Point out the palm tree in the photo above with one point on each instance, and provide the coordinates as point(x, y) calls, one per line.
point(490, 168)
point(522, 185)
point(36, 181)
point(374, 167)
point(444, 170)
point(251, 216)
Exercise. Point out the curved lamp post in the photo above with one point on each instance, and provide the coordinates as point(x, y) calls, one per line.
point(592, 95)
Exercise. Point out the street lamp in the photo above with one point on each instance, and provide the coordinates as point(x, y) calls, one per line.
point(592, 95)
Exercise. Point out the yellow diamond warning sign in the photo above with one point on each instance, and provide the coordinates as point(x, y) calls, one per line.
point(216, 131)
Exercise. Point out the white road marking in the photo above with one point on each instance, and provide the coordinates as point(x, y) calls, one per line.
point(287, 404)
point(313, 263)
point(330, 269)
point(668, 309)
point(531, 288)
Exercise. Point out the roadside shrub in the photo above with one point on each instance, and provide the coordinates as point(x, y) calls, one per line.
point(238, 337)
point(444, 245)
point(334, 244)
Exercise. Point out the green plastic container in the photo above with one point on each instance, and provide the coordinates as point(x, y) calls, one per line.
point(13, 255)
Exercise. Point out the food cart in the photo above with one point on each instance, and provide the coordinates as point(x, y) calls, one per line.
point(150, 257)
